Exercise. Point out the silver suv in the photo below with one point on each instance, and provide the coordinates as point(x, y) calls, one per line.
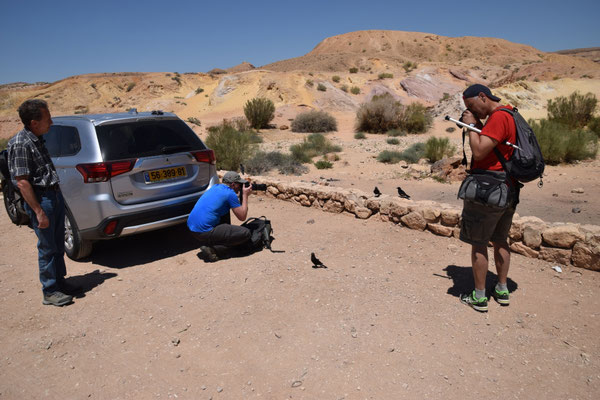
point(126, 173)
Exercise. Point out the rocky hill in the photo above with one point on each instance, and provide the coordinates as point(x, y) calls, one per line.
point(411, 66)
point(591, 53)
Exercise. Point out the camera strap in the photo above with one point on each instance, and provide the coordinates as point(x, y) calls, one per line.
point(464, 160)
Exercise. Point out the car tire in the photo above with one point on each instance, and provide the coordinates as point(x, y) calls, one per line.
point(16, 215)
point(76, 248)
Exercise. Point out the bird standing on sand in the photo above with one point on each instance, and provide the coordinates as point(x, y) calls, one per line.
point(376, 192)
point(316, 262)
point(402, 193)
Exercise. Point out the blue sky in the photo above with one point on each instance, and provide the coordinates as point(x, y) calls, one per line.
point(52, 40)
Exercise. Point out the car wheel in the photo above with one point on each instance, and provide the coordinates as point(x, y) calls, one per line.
point(75, 247)
point(17, 216)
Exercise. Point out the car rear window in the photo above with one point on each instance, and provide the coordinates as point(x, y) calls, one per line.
point(146, 138)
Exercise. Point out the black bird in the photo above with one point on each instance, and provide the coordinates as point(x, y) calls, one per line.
point(316, 262)
point(242, 169)
point(402, 193)
point(376, 192)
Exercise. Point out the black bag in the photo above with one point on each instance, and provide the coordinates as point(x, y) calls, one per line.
point(526, 162)
point(489, 188)
point(261, 231)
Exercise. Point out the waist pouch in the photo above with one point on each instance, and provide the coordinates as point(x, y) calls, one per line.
point(489, 188)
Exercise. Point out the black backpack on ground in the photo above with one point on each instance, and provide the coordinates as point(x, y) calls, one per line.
point(526, 162)
point(261, 232)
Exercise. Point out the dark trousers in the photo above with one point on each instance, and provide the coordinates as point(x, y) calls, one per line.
point(224, 236)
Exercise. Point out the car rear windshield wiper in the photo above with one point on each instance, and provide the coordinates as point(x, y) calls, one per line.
point(175, 149)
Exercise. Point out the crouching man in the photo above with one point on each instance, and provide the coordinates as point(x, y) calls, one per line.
point(204, 221)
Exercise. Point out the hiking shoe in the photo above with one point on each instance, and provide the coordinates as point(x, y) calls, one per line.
point(469, 299)
point(501, 296)
point(57, 299)
point(70, 288)
point(210, 255)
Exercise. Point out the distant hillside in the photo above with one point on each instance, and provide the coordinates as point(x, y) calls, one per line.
point(591, 53)
point(378, 51)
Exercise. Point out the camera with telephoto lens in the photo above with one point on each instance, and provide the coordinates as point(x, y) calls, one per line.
point(257, 186)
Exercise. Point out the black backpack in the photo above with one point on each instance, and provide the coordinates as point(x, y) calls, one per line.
point(261, 230)
point(526, 162)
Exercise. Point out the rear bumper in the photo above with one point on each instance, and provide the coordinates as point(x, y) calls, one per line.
point(138, 222)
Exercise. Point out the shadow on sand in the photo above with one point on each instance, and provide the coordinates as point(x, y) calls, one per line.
point(89, 281)
point(144, 248)
point(462, 278)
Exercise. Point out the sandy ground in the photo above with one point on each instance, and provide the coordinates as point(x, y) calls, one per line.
point(383, 321)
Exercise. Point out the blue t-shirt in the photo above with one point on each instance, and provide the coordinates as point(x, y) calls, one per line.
point(216, 202)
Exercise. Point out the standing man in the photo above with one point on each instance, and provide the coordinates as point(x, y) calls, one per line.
point(481, 224)
point(32, 172)
point(204, 219)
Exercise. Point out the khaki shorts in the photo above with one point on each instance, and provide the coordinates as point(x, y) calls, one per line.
point(481, 224)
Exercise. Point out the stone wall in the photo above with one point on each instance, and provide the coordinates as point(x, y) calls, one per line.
point(560, 243)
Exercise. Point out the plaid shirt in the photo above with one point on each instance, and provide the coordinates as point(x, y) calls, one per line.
point(27, 155)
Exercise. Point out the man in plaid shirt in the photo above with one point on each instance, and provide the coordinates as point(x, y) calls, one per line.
point(33, 173)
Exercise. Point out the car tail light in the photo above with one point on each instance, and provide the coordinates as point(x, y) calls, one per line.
point(110, 227)
point(102, 172)
point(206, 156)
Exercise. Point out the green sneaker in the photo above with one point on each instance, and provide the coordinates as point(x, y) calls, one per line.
point(501, 296)
point(477, 304)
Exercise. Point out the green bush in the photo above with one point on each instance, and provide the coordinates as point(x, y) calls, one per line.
point(380, 115)
point(321, 87)
point(438, 148)
point(353, 70)
point(411, 155)
point(385, 75)
point(393, 141)
point(263, 162)
point(177, 79)
point(335, 78)
point(575, 111)
point(383, 113)
point(396, 132)
point(130, 87)
point(314, 121)
point(344, 88)
point(231, 146)
point(314, 145)
point(355, 90)
point(594, 126)
point(310, 83)
point(199, 90)
point(559, 143)
point(259, 112)
point(360, 135)
point(450, 129)
point(409, 66)
point(416, 118)
point(323, 164)
point(389, 157)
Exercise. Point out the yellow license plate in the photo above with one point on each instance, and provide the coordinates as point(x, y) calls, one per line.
point(164, 174)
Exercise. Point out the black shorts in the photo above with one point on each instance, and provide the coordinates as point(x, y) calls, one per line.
point(481, 224)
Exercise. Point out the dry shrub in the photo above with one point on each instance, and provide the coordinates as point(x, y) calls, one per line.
point(314, 121)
